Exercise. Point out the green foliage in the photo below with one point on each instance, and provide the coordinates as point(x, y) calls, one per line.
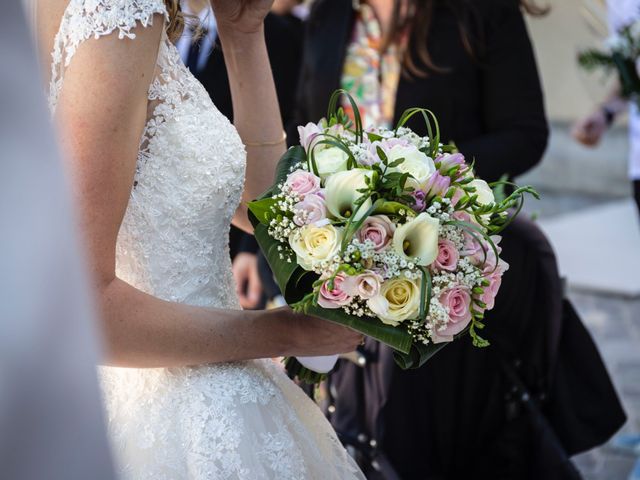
point(262, 209)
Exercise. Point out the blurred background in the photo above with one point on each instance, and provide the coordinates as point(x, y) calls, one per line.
point(587, 209)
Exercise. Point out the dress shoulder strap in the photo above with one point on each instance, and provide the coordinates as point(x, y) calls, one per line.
point(85, 19)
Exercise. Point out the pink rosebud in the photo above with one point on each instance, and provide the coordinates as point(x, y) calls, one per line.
point(419, 200)
point(462, 216)
point(379, 230)
point(303, 182)
point(310, 210)
point(482, 254)
point(308, 133)
point(494, 276)
point(335, 297)
point(446, 162)
point(457, 195)
point(457, 301)
point(366, 285)
point(437, 185)
point(448, 256)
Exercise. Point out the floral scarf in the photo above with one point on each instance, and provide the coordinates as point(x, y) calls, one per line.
point(370, 76)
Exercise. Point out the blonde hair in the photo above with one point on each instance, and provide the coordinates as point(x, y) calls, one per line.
point(178, 20)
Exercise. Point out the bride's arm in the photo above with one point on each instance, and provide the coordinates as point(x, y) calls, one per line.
point(256, 113)
point(103, 111)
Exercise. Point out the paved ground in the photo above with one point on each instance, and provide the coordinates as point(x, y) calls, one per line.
point(614, 322)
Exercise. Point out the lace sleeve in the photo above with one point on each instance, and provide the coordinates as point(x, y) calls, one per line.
point(84, 19)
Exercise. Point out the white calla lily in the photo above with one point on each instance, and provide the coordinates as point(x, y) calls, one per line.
point(341, 194)
point(417, 240)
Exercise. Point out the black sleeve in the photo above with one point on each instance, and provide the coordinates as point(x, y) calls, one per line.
point(513, 107)
point(248, 244)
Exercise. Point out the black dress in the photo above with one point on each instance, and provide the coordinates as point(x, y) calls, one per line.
point(461, 415)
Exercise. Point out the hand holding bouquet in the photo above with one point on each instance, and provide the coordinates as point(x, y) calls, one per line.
point(386, 232)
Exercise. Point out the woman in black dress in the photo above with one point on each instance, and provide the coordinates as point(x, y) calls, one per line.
point(472, 64)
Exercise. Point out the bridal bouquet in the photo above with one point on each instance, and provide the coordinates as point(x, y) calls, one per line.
point(386, 232)
point(622, 54)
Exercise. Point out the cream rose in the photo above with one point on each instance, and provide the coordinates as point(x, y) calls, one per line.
point(484, 192)
point(341, 193)
point(415, 163)
point(313, 244)
point(399, 300)
point(330, 160)
point(417, 240)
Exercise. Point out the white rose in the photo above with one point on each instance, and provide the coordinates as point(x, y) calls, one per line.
point(313, 244)
point(415, 163)
point(330, 160)
point(341, 193)
point(484, 192)
point(399, 300)
point(417, 240)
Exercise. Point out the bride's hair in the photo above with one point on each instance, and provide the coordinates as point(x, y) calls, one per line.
point(417, 19)
point(178, 19)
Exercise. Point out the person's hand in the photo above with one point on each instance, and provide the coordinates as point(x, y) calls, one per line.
point(243, 16)
point(589, 130)
point(248, 285)
point(310, 336)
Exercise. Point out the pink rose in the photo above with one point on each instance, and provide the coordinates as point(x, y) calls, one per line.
point(484, 256)
point(494, 277)
point(336, 297)
point(303, 182)
point(366, 285)
point(456, 198)
point(310, 210)
point(448, 256)
point(457, 301)
point(307, 134)
point(461, 215)
point(379, 229)
point(472, 248)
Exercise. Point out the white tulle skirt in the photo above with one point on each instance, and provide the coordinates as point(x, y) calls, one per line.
point(232, 421)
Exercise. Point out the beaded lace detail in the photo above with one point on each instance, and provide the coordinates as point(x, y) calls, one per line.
point(232, 421)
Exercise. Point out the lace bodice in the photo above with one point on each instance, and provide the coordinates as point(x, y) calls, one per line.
point(232, 421)
point(190, 167)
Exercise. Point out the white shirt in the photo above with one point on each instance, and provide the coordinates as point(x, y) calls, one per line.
point(207, 43)
point(621, 13)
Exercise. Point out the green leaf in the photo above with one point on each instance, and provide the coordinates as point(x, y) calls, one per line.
point(262, 209)
point(332, 111)
point(425, 294)
point(397, 338)
point(393, 208)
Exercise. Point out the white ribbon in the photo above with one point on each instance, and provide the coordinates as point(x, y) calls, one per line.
point(323, 364)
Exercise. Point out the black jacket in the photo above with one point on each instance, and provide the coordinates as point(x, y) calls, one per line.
point(491, 107)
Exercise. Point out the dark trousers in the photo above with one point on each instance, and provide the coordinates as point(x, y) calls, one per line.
point(636, 193)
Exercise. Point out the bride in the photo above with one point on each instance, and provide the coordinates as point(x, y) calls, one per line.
point(158, 174)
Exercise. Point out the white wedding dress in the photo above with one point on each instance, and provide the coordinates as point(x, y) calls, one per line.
point(228, 421)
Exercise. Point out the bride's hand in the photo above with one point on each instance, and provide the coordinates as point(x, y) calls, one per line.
point(243, 16)
point(310, 336)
